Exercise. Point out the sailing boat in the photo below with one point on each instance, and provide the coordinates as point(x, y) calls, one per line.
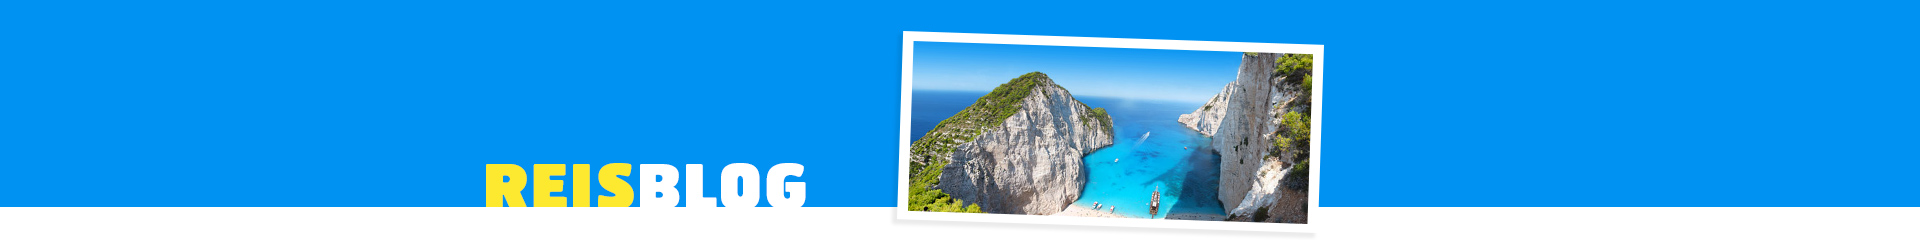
point(1153, 208)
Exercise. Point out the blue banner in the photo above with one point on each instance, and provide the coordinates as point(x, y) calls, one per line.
point(404, 104)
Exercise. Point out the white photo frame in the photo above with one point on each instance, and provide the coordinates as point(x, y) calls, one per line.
point(906, 109)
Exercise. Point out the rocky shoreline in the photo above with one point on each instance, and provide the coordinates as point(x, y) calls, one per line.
point(1079, 211)
point(1082, 211)
point(1196, 216)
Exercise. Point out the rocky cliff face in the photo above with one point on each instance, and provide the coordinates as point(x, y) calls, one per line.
point(1031, 163)
point(1207, 118)
point(1263, 201)
point(1244, 120)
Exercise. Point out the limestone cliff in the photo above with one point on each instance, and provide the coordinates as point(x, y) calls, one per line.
point(1243, 118)
point(1207, 118)
point(1031, 162)
point(1257, 148)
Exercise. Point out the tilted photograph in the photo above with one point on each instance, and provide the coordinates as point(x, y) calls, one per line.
point(1092, 132)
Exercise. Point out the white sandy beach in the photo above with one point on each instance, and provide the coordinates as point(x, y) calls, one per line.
point(1195, 216)
point(1079, 211)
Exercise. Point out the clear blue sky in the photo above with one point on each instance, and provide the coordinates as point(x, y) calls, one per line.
point(1177, 75)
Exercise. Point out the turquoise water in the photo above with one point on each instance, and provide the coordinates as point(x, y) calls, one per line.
point(1153, 151)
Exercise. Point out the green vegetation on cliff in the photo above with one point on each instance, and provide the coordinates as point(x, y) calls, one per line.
point(1294, 138)
point(996, 106)
point(1294, 64)
point(1297, 178)
point(1098, 118)
point(922, 198)
point(1295, 132)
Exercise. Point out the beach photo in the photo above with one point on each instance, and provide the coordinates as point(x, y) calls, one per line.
point(1107, 132)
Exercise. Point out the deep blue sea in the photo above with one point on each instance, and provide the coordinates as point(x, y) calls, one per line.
point(1151, 151)
point(929, 107)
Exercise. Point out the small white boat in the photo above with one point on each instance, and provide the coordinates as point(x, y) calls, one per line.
point(1116, 160)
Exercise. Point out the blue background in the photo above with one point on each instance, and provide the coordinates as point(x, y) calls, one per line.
point(331, 103)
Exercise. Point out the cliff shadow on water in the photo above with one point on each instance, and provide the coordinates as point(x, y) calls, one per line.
point(1200, 178)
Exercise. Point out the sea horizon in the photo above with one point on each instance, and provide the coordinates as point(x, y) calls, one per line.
point(932, 105)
